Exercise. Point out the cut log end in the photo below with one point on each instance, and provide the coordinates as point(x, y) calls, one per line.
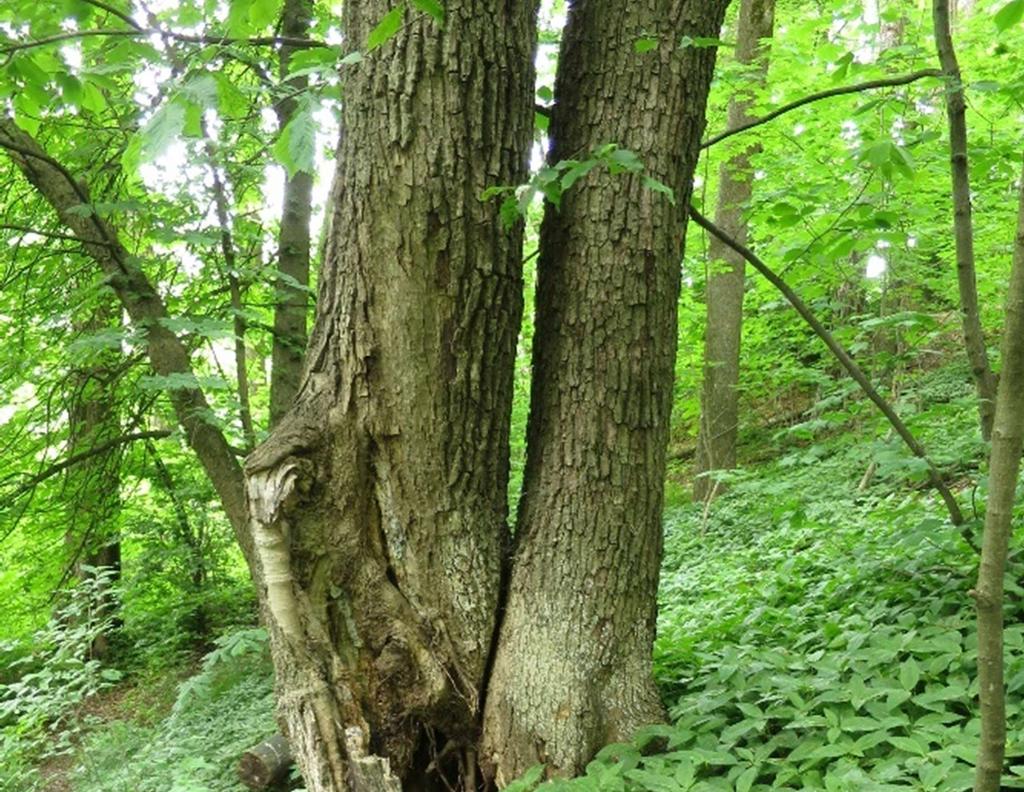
point(265, 765)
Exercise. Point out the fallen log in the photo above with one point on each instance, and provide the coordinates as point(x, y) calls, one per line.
point(265, 765)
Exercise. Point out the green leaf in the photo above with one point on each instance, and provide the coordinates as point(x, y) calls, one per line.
point(386, 28)
point(576, 171)
point(1009, 15)
point(660, 187)
point(93, 99)
point(432, 7)
point(909, 744)
point(296, 147)
point(162, 130)
point(263, 13)
point(910, 674)
point(239, 22)
point(645, 44)
point(528, 780)
point(746, 779)
point(699, 42)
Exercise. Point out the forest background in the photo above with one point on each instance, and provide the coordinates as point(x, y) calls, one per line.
point(814, 628)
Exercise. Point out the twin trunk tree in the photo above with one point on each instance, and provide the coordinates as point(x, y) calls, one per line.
point(719, 415)
point(415, 643)
point(412, 637)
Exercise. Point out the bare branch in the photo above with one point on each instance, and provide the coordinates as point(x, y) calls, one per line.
point(64, 464)
point(138, 32)
point(817, 97)
point(955, 516)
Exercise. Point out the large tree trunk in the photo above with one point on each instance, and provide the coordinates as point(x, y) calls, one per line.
point(291, 306)
point(379, 502)
point(719, 417)
point(1003, 469)
point(963, 227)
point(573, 665)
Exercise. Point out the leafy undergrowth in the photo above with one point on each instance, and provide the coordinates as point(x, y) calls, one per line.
point(815, 636)
point(221, 711)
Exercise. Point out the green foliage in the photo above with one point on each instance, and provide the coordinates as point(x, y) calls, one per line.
point(47, 676)
point(550, 182)
point(816, 636)
point(219, 713)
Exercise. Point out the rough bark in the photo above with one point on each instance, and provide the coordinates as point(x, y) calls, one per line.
point(1003, 470)
point(716, 439)
point(963, 231)
point(573, 665)
point(379, 501)
point(291, 306)
point(167, 354)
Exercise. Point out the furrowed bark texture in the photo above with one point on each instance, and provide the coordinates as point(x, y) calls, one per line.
point(167, 354)
point(719, 418)
point(379, 501)
point(963, 230)
point(573, 665)
point(291, 308)
point(1004, 467)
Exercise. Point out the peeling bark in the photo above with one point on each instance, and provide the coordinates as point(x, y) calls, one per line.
point(379, 501)
point(573, 665)
point(719, 416)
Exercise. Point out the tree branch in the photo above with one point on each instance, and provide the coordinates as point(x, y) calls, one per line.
point(167, 354)
point(935, 478)
point(74, 459)
point(817, 97)
point(138, 32)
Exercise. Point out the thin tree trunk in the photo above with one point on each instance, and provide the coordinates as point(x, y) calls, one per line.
point(291, 307)
point(239, 323)
point(974, 338)
point(93, 486)
point(379, 501)
point(1003, 469)
point(716, 440)
point(573, 665)
point(167, 354)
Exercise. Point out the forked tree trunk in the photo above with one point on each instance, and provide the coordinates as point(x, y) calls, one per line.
point(719, 415)
point(963, 227)
point(291, 307)
point(379, 502)
point(1003, 469)
point(573, 664)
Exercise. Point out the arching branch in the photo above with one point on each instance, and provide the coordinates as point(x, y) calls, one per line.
point(817, 97)
point(848, 363)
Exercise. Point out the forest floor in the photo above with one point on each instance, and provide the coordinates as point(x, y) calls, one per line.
point(813, 634)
